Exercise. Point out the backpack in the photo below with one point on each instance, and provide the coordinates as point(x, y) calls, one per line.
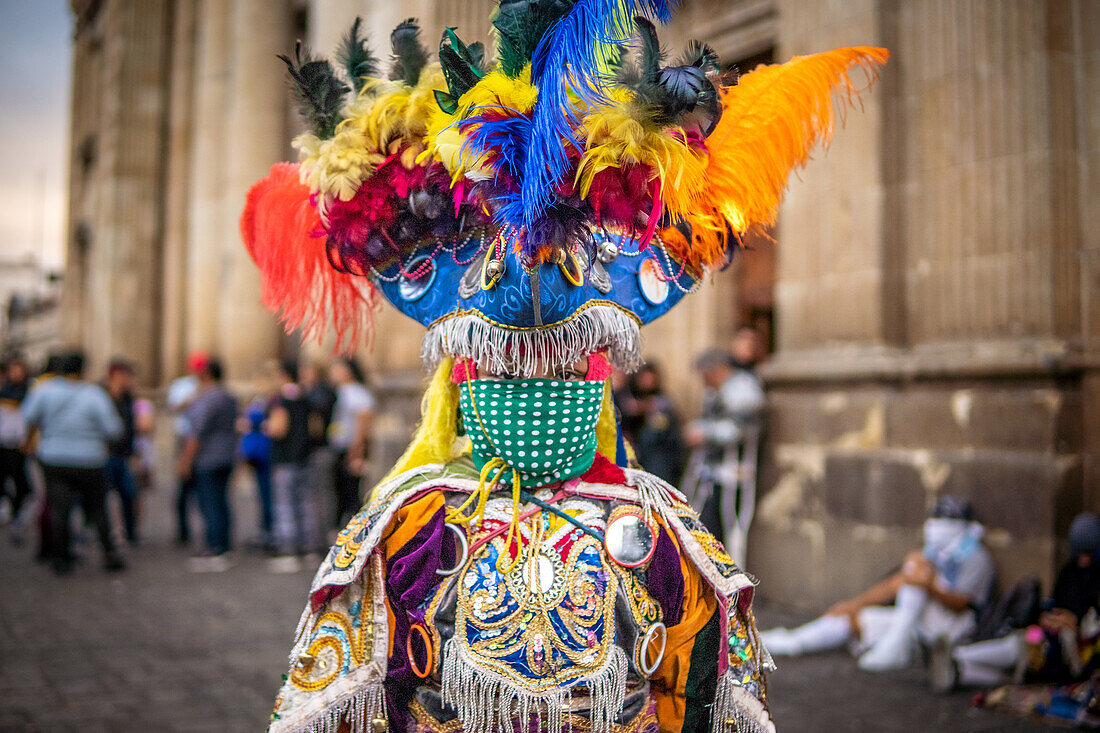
point(1016, 609)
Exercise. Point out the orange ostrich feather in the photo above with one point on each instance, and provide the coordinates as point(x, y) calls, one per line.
point(771, 121)
point(279, 226)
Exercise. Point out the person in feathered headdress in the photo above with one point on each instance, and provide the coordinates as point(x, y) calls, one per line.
point(513, 571)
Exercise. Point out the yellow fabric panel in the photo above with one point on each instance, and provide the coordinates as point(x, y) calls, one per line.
point(671, 676)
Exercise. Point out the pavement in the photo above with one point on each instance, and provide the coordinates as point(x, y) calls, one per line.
point(158, 648)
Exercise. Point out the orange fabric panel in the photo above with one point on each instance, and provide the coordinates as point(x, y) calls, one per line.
point(671, 676)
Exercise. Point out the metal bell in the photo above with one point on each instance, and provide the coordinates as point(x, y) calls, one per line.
point(494, 269)
point(607, 252)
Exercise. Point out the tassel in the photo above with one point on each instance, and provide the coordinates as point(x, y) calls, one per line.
point(736, 710)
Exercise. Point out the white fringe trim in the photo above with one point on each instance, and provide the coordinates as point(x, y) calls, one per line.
point(359, 709)
point(519, 351)
point(487, 702)
point(737, 711)
point(654, 494)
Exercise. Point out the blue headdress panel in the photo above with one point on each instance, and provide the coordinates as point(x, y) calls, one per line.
point(479, 301)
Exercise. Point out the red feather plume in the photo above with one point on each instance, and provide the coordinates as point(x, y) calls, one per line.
point(280, 226)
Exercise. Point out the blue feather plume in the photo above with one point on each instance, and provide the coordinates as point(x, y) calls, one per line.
point(569, 59)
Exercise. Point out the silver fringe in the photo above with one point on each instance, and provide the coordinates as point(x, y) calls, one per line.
point(359, 709)
point(488, 703)
point(654, 494)
point(737, 711)
point(519, 352)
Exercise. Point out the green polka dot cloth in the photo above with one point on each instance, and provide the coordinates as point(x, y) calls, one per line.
point(543, 428)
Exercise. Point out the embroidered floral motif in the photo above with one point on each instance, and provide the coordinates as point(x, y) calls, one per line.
point(341, 638)
point(548, 622)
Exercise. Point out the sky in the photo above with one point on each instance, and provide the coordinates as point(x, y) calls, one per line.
point(36, 58)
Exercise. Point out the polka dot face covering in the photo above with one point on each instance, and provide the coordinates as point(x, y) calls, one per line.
point(545, 429)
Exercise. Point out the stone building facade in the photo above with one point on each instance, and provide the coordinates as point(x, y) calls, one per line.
point(932, 293)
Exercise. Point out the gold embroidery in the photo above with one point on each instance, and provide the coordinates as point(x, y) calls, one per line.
point(341, 637)
point(571, 595)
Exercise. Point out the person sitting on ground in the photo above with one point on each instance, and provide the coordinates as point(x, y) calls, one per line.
point(937, 594)
point(1061, 647)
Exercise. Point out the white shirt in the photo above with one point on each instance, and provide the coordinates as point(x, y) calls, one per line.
point(352, 400)
point(180, 394)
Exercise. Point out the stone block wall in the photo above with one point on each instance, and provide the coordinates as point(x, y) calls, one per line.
point(853, 468)
point(934, 297)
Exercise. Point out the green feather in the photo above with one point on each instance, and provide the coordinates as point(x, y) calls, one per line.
point(520, 25)
point(461, 68)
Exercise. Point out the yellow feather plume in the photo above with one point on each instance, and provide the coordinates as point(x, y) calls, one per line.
point(771, 121)
point(384, 117)
point(616, 137)
point(495, 90)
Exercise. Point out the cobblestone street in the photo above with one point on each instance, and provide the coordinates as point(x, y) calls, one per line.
point(158, 648)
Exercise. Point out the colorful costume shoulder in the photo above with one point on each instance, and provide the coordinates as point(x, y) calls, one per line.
point(514, 572)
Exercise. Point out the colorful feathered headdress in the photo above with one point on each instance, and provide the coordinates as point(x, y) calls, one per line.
point(544, 206)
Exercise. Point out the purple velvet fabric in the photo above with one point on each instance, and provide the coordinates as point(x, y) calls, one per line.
point(410, 581)
point(665, 579)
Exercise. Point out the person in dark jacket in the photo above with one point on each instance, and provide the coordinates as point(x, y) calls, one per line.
point(1062, 646)
point(296, 516)
point(657, 435)
point(13, 437)
point(120, 388)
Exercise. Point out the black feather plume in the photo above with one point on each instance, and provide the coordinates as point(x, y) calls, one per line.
point(672, 94)
point(701, 55)
point(477, 54)
point(410, 56)
point(320, 92)
point(355, 56)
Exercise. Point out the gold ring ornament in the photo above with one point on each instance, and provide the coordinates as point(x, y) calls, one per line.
point(570, 267)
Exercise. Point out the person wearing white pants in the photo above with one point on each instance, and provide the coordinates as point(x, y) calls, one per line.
point(1070, 622)
point(936, 595)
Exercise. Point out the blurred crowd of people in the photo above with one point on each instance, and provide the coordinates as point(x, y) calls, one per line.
point(303, 432)
point(713, 456)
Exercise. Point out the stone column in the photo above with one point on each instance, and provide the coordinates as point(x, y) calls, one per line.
point(259, 30)
point(206, 240)
point(177, 189)
point(128, 221)
point(330, 19)
point(933, 297)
